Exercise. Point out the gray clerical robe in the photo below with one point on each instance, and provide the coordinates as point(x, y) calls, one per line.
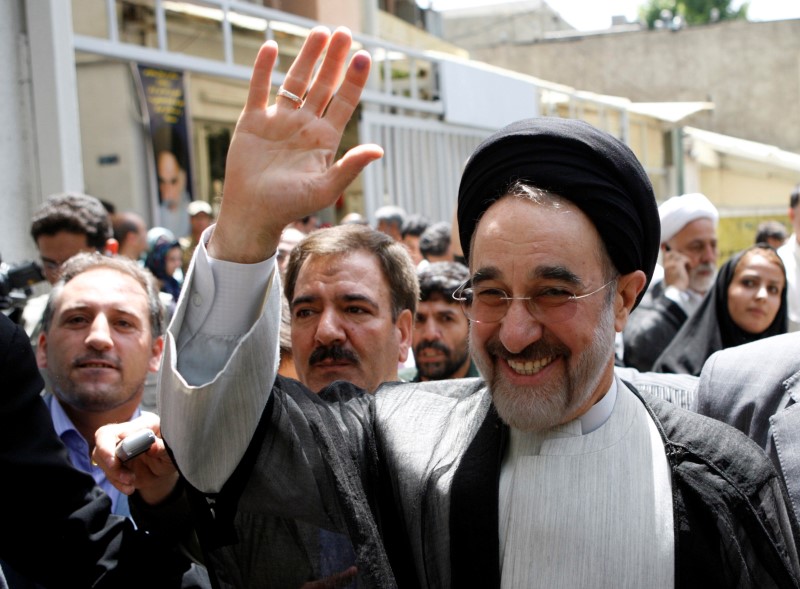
point(415, 469)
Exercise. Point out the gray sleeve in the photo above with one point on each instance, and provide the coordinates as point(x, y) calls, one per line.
point(220, 361)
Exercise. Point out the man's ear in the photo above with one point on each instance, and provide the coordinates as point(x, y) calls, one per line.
point(41, 351)
point(405, 327)
point(155, 354)
point(628, 288)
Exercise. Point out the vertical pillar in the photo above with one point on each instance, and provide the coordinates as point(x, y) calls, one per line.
point(55, 95)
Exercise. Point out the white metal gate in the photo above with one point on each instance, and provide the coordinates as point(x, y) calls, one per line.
point(421, 166)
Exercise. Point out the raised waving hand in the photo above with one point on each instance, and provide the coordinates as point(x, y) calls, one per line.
point(281, 164)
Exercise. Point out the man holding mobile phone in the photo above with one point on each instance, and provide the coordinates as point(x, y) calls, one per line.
point(689, 257)
point(101, 337)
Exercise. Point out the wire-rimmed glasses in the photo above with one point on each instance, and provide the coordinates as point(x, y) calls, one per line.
point(489, 304)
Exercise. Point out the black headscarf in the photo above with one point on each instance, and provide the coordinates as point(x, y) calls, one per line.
point(711, 327)
point(576, 161)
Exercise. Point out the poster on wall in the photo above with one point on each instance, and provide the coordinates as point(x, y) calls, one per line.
point(164, 95)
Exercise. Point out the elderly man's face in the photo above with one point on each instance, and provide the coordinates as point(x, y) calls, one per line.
point(342, 327)
point(698, 242)
point(543, 370)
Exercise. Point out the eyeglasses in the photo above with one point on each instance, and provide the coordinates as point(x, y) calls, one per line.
point(50, 265)
point(488, 304)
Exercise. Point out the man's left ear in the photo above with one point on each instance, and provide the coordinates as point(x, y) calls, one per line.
point(628, 288)
point(155, 354)
point(405, 327)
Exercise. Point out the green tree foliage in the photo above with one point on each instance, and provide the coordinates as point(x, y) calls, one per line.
point(691, 12)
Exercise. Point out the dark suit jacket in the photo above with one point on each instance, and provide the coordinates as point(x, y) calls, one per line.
point(56, 526)
point(756, 388)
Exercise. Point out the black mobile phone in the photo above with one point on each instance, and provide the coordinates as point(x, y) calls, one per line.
point(135, 444)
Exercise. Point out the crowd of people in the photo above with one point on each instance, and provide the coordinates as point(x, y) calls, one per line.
point(487, 402)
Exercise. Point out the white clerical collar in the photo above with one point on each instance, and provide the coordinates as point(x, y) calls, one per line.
point(599, 413)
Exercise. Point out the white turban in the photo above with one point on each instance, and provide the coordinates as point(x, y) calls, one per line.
point(678, 211)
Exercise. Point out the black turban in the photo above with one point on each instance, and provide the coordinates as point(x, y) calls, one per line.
point(570, 158)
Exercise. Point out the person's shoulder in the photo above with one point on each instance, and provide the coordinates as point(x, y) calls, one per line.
point(678, 389)
point(781, 350)
point(694, 438)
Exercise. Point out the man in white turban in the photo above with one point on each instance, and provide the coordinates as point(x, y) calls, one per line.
point(689, 255)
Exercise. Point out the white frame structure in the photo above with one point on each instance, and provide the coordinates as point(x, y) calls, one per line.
point(406, 114)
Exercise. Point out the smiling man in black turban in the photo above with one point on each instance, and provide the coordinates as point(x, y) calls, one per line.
point(551, 472)
point(578, 162)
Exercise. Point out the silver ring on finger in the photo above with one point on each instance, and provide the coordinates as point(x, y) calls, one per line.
point(291, 96)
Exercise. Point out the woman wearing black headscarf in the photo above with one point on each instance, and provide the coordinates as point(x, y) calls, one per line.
point(746, 303)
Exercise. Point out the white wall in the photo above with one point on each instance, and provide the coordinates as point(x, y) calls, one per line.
point(113, 137)
point(18, 167)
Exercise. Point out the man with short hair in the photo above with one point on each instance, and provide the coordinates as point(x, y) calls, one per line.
point(101, 335)
point(434, 243)
point(64, 225)
point(771, 232)
point(57, 526)
point(390, 219)
point(689, 252)
point(552, 472)
point(67, 224)
point(441, 329)
point(790, 254)
point(130, 232)
point(413, 228)
point(352, 294)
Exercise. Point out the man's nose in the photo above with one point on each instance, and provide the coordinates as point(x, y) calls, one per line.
point(329, 328)
point(99, 336)
point(519, 329)
point(710, 254)
point(429, 330)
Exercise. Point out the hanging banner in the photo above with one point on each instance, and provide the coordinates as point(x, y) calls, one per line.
point(165, 100)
